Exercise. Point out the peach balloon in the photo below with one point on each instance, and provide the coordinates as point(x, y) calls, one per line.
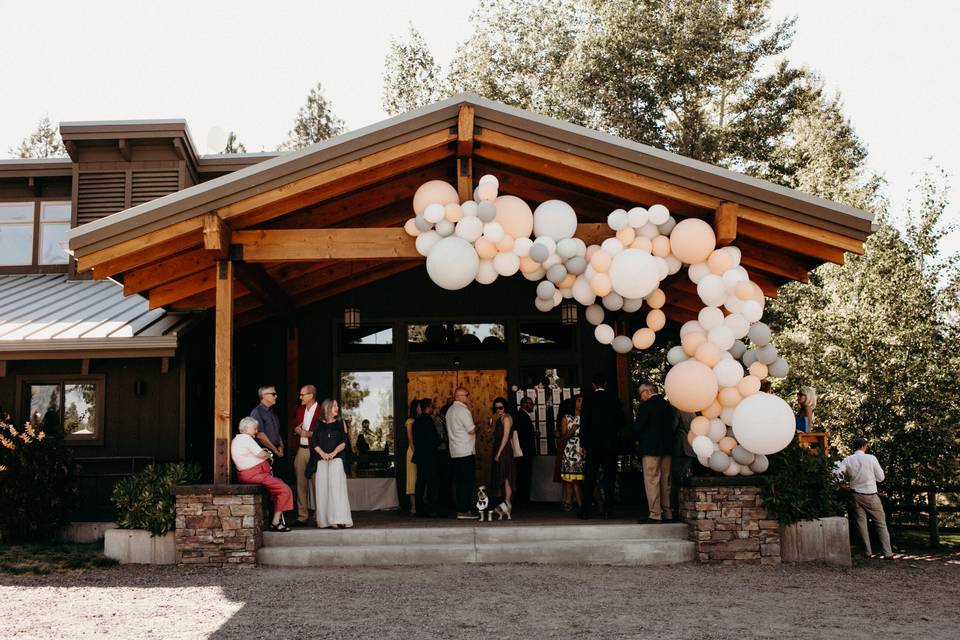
point(691, 341)
point(591, 250)
point(626, 236)
point(758, 294)
point(656, 319)
point(527, 265)
point(411, 227)
point(642, 242)
point(744, 291)
point(567, 281)
point(643, 338)
point(758, 370)
point(692, 240)
point(434, 192)
point(485, 249)
point(601, 261)
point(487, 191)
point(729, 397)
point(661, 246)
point(713, 411)
point(690, 436)
point(748, 385)
point(727, 444)
point(453, 212)
point(657, 299)
point(700, 426)
point(708, 353)
point(600, 284)
point(720, 261)
point(690, 386)
point(515, 216)
point(505, 244)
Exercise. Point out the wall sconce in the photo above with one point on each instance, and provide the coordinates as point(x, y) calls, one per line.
point(568, 313)
point(351, 318)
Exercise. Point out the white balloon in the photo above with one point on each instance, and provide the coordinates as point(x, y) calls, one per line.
point(583, 292)
point(697, 271)
point(717, 430)
point(622, 344)
point(721, 336)
point(486, 273)
point(521, 247)
point(545, 291)
point(673, 264)
point(581, 247)
point(445, 228)
point(426, 241)
point(663, 268)
point(737, 324)
point(535, 276)
point(763, 423)
point(506, 264)
point(734, 252)
point(691, 326)
point(733, 276)
point(543, 305)
point(557, 298)
point(617, 219)
point(710, 317)
point(711, 290)
point(567, 248)
point(676, 355)
point(704, 460)
point(469, 209)
point(604, 334)
point(703, 446)
point(491, 179)
point(567, 293)
point(732, 470)
point(595, 314)
point(633, 273)
point(453, 263)
point(733, 304)
point(556, 219)
point(493, 232)
point(632, 305)
point(589, 272)
point(612, 246)
point(729, 372)
point(752, 311)
point(433, 213)
point(612, 301)
point(637, 217)
point(469, 228)
point(648, 230)
point(658, 214)
point(727, 415)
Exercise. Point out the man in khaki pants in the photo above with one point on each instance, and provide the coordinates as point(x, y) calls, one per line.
point(654, 431)
point(863, 472)
point(307, 417)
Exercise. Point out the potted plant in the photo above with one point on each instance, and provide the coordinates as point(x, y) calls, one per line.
point(803, 490)
point(146, 514)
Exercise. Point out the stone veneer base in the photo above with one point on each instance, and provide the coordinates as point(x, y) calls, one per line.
point(218, 525)
point(728, 522)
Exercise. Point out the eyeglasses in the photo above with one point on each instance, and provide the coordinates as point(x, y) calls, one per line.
point(269, 393)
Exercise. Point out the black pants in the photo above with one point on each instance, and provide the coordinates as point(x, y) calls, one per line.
point(463, 471)
point(595, 460)
point(426, 491)
point(524, 464)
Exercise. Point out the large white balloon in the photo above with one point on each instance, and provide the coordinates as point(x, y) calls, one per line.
point(453, 263)
point(633, 273)
point(555, 219)
point(763, 423)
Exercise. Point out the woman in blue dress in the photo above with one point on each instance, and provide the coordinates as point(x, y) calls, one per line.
point(806, 402)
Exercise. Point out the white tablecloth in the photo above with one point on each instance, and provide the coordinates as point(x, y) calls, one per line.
point(372, 494)
point(542, 486)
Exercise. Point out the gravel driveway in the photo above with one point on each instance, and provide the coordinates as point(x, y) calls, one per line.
point(909, 598)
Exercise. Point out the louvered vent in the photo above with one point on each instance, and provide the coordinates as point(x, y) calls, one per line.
point(99, 195)
point(148, 185)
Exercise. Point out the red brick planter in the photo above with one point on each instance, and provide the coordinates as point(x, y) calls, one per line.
point(219, 525)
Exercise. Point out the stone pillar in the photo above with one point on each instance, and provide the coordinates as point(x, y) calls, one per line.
point(219, 525)
point(728, 522)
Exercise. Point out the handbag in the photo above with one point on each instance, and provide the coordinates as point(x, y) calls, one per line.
point(515, 442)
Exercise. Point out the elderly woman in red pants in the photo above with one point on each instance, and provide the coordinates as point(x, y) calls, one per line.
point(250, 459)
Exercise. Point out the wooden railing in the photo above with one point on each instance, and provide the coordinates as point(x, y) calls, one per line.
point(930, 509)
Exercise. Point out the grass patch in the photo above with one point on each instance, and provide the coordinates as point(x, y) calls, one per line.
point(42, 559)
point(911, 539)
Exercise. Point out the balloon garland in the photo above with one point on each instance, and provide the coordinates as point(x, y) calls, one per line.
point(713, 372)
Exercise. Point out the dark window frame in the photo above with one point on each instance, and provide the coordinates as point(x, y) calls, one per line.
point(35, 266)
point(97, 438)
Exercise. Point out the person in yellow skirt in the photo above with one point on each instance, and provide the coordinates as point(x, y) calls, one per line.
point(571, 461)
point(411, 486)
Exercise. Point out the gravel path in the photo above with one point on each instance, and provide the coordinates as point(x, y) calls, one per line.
point(913, 598)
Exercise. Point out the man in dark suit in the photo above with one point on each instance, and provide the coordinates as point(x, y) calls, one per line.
point(601, 419)
point(654, 431)
point(528, 444)
point(425, 443)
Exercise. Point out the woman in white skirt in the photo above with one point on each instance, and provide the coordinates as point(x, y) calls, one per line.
point(328, 447)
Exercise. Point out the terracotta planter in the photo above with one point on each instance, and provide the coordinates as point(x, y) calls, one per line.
point(136, 546)
point(822, 540)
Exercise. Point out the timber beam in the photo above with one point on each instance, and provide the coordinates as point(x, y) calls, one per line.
point(265, 288)
point(725, 223)
point(216, 236)
point(464, 153)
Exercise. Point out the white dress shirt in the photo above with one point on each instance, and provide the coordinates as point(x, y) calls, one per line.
point(864, 471)
point(245, 452)
point(459, 424)
point(307, 421)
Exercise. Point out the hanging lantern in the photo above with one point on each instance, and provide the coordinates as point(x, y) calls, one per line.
point(351, 318)
point(568, 313)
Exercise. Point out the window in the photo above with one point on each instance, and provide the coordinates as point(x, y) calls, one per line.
point(456, 337)
point(366, 403)
point(54, 224)
point(71, 406)
point(546, 335)
point(367, 339)
point(16, 233)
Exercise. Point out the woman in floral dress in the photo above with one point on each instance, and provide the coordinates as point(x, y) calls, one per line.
point(571, 466)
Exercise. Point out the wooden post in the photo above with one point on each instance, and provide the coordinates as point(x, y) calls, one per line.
point(223, 373)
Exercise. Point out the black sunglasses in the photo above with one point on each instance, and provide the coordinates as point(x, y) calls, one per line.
point(498, 406)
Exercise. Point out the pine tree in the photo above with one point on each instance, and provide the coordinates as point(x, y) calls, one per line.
point(44, 142)
point(314, 122)
point(233, 145)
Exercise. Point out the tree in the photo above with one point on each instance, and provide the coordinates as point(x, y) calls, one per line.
point(44, 142)
point(233, 145)
point(411, 77)
point(314, 122)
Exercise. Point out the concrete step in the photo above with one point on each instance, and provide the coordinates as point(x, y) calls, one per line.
point(610, 551)
point(487, 533)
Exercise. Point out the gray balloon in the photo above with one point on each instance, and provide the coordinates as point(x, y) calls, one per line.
point(719, 461)
point(422, 223)
point(767, 355)
point(730, 432)
point(487, 211)
point(759, 464)
point(539, 253)
point(543, 305)
point(737, 349)
point(759, 334)
point(556, 273)
point(779, 368)
point(742, 456)
point(576, 265)
point(545, 290)
point(622, 344)
point(667, 226)
point(749, 357)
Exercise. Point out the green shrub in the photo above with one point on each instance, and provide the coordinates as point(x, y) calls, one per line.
point(37, 484)
point(801, 485)
point(144, 500)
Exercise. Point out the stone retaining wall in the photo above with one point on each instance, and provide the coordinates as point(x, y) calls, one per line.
point(219, 525)
point(728, 522)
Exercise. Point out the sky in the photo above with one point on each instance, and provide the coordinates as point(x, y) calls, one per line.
point(247, 67)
